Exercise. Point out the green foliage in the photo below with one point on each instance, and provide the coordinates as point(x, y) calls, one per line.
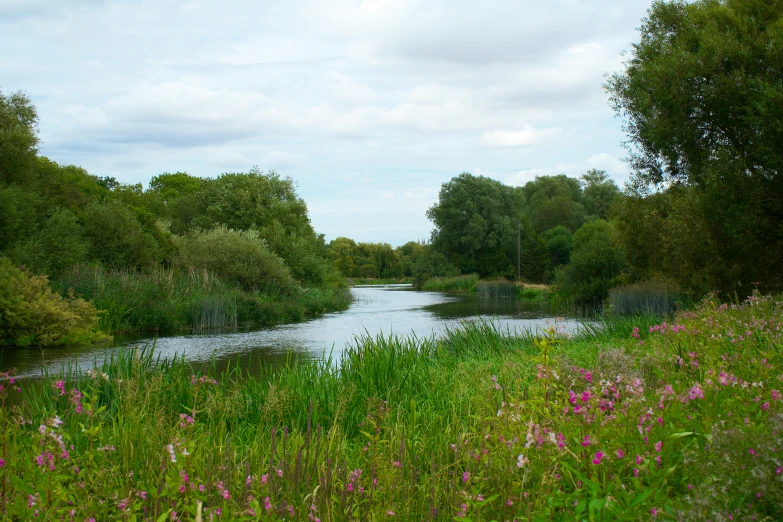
point(58, 245)
point(117, 238)
point(654, 297)
point(703, 103)
point(596, 265)
point(598, 193)
point(18, 138)
point(32, 315)
point(483, 424)
point(239, 257)
point(535, 259)
point(461, 284)
point(368, 260)
point(476, 221)
point(19, 209)
point(559, 242)
point(554, 201)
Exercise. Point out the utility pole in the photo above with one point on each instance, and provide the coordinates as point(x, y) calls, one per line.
point(519, 251)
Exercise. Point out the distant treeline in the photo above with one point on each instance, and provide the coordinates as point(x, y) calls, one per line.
point(250, 231)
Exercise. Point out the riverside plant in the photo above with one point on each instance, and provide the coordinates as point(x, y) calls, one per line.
point(676, 420)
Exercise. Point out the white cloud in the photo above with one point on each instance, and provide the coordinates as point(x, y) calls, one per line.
point(522, 138)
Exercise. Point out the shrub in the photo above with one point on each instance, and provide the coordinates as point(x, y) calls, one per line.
point(595, 267)
point(31, 314)
point(239, 257)
point(117, 237)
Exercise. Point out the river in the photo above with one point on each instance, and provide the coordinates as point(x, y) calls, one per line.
point(393, 309)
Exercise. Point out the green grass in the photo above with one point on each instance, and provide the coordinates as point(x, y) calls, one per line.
point(167, 300)
point(460, 284)
point(649, 297)
point(455, 428)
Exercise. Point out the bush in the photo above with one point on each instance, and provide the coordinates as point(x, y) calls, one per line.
point(31, 314)
point(117, 238)
point(59, 245)
point(239, 257)
point(595, 267)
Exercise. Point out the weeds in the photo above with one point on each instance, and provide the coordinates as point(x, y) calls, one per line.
point(630, 419)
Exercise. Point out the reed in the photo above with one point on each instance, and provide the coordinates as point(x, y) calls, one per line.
point(460, 284)
point(649, 297)
point(169, 300)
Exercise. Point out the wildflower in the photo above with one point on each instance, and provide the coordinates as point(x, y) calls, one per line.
point(350, 486)
point(509, 503)
point(201, 488)
point(390, 513)
point(635, 472)
point(142, 495)
point(248, 480)
point(765, 406)
point(658, 446)
point(654, 512)
point(264, 478)
point(267, 504)
point(280, 473)
point(752, 451)
point(620, 454)
point(776, 396)
point(586, 441)
point(597, 459)
point(521, 461)
point(465, 476)
point(60, 386)
point(2, 463)
point(225, 494)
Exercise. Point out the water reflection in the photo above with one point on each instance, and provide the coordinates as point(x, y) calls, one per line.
point(375, 310)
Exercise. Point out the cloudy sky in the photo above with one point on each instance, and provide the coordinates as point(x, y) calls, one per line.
point(369, 105)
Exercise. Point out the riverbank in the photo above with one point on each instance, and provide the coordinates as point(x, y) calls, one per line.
point(167, 301)
point(478, 425)
point(471, 284)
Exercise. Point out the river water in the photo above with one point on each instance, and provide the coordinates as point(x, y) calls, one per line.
point(393, 309)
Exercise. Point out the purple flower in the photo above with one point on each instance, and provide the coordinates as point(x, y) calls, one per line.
point(598, 456)
point(465, 476)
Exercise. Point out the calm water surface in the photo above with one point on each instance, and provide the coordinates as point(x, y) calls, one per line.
point(389, 310)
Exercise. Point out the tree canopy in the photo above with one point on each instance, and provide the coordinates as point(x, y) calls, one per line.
point(476, 221)
point(702, 98)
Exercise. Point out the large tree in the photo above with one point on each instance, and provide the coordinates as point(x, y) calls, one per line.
point(18, 137)
point(476, 221)
point(702, 98)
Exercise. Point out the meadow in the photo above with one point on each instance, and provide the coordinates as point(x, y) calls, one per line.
point(633, 418)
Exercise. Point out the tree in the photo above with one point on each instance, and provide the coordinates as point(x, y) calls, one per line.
point(559, 241)
point(598, 192)
point(703, 102)
point(596, 264)
point(554, 201)
point(18, 137)
point(476, 222)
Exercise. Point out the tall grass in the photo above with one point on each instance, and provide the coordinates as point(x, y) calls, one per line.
point(496, 290)
point(169, 300)
point(460, 284)
point(626, 420)
point(648, 297)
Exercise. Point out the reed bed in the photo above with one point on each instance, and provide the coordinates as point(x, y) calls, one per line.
point(648, 297)
point(460, 284)
point(169, 300)
point(628, 419)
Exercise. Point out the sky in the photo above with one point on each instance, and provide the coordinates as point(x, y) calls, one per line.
point(368, 105)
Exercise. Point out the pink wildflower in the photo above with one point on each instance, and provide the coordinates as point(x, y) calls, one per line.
point(658, 446)
point(597, 459)
point(586, 441)
point(465, 476)
point(267, 504)
point(620, 454)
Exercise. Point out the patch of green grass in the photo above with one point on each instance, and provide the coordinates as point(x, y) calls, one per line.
point(460, 284)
